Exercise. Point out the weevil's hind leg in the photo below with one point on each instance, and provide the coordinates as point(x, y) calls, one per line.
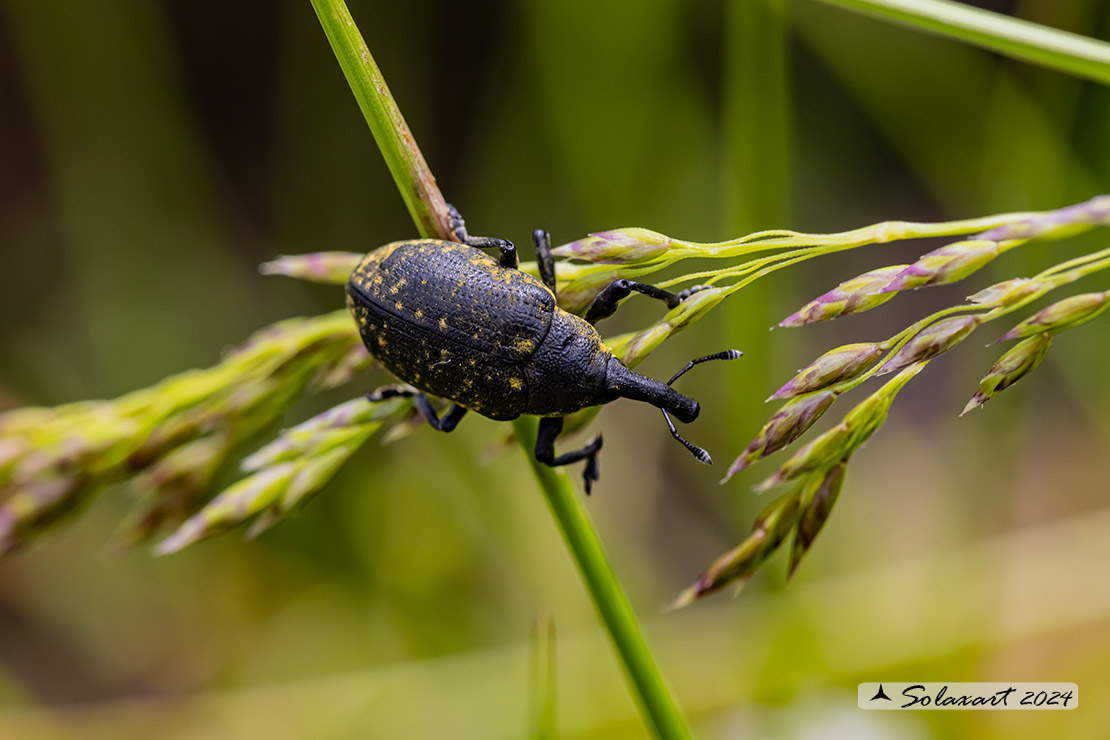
point(545, 451)
point(446, 423)
point(605, 304)
point(509, 257)
point(546, 262)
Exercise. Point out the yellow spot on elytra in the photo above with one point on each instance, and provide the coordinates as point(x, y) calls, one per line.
point(419, 313)
point(398, 305)
point(515, 384)
point(443, 323)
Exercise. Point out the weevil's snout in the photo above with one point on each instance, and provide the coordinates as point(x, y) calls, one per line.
point(686, 410)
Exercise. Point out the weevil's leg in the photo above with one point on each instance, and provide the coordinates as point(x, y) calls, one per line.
point(447, 423)
point(509, 257)
point(605, 304)
point(545, 451)
point(546, 262)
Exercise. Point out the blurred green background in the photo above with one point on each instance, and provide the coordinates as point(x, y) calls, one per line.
point(152, 154)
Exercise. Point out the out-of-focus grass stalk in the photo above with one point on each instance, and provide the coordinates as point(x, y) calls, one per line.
point(417, 185)
point(402, 155)
point(544, 680)
point(1031, 42)
point(652, 693)
point(757, 183)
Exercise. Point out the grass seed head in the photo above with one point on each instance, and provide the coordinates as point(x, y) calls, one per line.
point(835, 366)
point(1008, 292)
point(771, 527)
point(1011, 367)
point(1057, 223)
point(946, 265)
point(931, 341)
point(319, 267)
point(1073, 311)
point(861, 293)
point(824, 451)
point(616, 247)
point(788, 423)
point(816, 503)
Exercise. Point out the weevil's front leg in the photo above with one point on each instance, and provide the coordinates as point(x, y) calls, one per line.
point(605, 304)
point(545, 451)
point(446, 423)
point(509, 257)
point(546, 262)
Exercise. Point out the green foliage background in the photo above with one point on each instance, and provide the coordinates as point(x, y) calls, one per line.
point(154, 154)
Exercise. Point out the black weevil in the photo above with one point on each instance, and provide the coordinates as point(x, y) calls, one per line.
point(451, 321)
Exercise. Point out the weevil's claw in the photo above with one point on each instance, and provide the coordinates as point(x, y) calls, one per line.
point(684, 294)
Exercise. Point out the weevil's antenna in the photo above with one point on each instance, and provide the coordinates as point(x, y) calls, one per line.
point(701, 455)
point(728, 354)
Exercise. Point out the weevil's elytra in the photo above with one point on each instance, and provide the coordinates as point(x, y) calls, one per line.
point(456, 323)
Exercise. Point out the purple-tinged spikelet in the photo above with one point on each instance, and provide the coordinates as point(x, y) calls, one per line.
point(931, 341)
point(1011, 367)
point(616, 247)
point(1073, 311)
point(318, 267)
point(835, 366)
point(861, 293)
point(945, 265)
point(816, 504)
point(789, 422)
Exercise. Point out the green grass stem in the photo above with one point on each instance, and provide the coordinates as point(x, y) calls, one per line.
point(426, 204)
point(1031, 42)
point(396, 143)
point(655, 699)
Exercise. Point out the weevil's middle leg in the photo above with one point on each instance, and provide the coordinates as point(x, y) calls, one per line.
point(605, 304)
point(446, 423)
point(509, 257)
point(550, 426)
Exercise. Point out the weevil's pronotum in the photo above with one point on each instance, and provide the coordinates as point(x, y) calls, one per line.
point(454, 322)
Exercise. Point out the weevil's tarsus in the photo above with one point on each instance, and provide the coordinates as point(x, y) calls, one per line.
point(446, 423)
point(728, 354)
point(605, 304)
point(698, 452)
point(509, 257)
